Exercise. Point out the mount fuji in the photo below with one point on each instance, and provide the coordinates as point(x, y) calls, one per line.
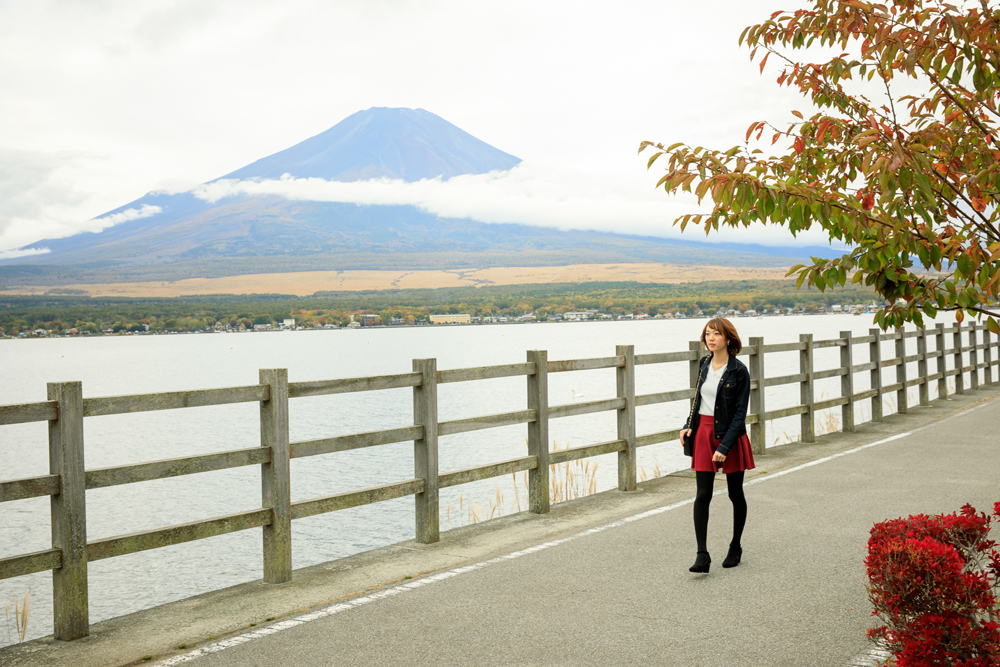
point(181, 235)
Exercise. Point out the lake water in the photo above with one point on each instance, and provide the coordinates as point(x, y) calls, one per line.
point(148, 364)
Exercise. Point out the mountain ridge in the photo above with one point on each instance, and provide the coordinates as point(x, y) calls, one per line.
point(193, 237)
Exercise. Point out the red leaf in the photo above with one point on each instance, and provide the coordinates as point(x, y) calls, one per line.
point(979, 204)
point(799, 145)
point(764, 62)
point(868, 202)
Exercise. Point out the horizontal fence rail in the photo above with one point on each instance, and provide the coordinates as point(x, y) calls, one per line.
point(67, 481)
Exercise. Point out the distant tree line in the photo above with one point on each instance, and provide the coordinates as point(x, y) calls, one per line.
point(121, 314)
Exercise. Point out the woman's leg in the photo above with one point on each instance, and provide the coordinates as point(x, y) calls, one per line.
point(702, 499)
point(734, 481)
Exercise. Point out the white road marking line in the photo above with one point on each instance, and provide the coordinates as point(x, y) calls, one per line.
point(440, 576)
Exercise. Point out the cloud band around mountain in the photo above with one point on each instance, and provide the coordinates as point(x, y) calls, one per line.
point(526, 194)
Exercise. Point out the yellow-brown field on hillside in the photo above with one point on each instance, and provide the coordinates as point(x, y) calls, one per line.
point(310, 282)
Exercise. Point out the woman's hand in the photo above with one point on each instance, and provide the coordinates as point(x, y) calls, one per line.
point(684, 434)
point(718, 458)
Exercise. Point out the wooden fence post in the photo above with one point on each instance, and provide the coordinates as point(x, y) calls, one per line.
point(806, 397)
point(538, 432)
point(847, 382)
point(902, 400)
point(957, 342)
point(70, 602)
point(425, 451)
point(941, 366)
point(987, 357)
point(875, 357)
point(973, 358)
point(275, 479)
point(758, 431)
point(924, 390)
point(625, 376)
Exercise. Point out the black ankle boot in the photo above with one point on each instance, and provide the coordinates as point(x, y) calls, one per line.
point(733, 557)
point(701, 563)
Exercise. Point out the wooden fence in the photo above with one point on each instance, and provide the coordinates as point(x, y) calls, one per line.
point(68, 481)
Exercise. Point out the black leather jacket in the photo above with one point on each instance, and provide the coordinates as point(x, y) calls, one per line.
point(731, 403)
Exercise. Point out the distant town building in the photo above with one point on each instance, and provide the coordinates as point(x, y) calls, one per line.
point(576, 317)
point(288, 324)
point(451, 319)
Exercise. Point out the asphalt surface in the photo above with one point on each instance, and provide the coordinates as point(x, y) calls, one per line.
point(604, 581)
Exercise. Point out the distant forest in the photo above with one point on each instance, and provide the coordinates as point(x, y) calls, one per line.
point(58, 313)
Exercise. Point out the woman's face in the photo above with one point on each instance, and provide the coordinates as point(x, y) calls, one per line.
point(715, 340)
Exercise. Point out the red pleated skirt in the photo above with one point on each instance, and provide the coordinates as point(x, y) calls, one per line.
point(740, 457)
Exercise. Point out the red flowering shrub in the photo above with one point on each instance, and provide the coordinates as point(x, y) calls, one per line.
point(934, 583)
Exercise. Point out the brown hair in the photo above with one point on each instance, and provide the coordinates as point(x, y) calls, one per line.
point(726, 328)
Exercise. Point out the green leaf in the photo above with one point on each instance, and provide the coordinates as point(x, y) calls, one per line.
point(992, 325)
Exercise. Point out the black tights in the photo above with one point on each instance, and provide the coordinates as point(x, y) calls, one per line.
point(706, 480)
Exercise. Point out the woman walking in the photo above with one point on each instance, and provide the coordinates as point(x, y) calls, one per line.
point(717, 423)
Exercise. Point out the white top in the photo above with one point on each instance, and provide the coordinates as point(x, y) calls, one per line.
point(709, 389)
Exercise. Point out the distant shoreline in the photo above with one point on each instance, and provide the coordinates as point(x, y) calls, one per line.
point(307, 283)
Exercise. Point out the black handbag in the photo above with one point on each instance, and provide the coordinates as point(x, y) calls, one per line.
point(688, 441)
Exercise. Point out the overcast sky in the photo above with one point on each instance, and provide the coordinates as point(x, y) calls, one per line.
point(106, 100)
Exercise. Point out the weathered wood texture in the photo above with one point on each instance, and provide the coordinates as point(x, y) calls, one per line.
point(847, 382)
point(806, 394)
point(466, 475)
point(71, 618)
point(486, 421)
point(425, 451)
point(585, 364)
point(98, 478)
point(875, 357)
point(924, 391)
point(585, 408)
point(758, 432)
point(275, 477)
point(350, 385)
point(343, 443)
point(28, 412)
point(174, 400)
point(902, 398)
point(342, 501)
point(538, 432)
point(39, 561)
point(30, 487)
point(120, 545)
point(574, 453)
point(484, 373)
point(664, 397)
point(625, 379)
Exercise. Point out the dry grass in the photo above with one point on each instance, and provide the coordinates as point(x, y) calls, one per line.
point(22, 613)
point(569, 480)
point(307, 282)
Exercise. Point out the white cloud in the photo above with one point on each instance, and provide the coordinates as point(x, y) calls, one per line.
point(529, 194)
point(11, 254)
point(128, 214)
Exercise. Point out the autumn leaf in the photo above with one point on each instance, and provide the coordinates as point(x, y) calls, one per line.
point(979, 204)
point(868, 202)
point(799, 145)
point(941, 168)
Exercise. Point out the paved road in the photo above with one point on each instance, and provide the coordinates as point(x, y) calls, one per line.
point(621, 594)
